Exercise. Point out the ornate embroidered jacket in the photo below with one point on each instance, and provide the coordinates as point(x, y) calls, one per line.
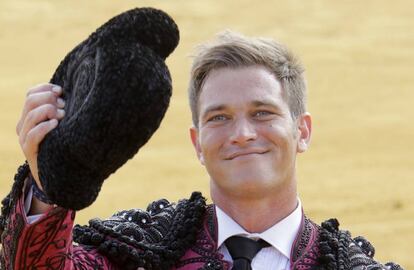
point(166, 236)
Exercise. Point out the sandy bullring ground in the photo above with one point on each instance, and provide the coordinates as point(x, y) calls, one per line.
point(359, 59)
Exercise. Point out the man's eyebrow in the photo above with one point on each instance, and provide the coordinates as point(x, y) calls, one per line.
point(212, 108)
point(258, 103)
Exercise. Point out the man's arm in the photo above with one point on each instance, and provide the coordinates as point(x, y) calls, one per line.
point(42, 110)
point(47, 242)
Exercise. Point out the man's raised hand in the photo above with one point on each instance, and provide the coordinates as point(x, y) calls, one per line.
point(42, 110)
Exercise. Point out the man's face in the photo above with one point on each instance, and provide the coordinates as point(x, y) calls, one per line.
point(246, 136)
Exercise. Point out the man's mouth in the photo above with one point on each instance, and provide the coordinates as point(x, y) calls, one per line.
point(245, 153)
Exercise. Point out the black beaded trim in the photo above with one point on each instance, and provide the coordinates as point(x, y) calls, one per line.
point(154, 240)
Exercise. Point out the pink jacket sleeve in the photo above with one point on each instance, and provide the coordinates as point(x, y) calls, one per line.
point(46, 244)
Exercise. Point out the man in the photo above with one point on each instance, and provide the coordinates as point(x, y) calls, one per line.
point(248, 102)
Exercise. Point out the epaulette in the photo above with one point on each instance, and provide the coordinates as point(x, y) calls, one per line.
point(339, 251)
point(152, 239)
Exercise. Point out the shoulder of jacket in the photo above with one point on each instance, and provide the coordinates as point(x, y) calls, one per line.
point(338, 250)
point(153, 239)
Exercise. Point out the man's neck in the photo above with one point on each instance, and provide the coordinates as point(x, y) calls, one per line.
point(256, 215)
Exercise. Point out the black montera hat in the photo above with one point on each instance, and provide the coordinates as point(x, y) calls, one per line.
point(117, 89)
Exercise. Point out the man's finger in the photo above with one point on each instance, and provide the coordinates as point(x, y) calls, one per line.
point(37, 99)
point(40, 88)
point(45, 87)
point(36, 116)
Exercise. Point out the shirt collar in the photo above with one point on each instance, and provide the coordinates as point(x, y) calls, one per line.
point(281, 235)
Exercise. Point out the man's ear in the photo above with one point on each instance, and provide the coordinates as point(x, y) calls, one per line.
point(304, 123)
point(196, 144)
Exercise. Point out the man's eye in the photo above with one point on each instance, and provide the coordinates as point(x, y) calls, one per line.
point(217, 118)
point(262, 113)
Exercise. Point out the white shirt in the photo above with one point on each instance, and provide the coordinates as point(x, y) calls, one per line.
point(27, 204)
point(280, 236)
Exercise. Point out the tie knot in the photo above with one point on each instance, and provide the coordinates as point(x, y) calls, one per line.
point(244, 248)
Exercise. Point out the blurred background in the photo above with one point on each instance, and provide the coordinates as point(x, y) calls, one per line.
point(358, 56)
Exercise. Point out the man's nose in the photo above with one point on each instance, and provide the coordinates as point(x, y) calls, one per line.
point(243, 132)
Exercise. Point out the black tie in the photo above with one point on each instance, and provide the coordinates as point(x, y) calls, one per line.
point(243, 250)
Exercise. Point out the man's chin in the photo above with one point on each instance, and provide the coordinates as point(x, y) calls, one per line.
point(248, 182)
